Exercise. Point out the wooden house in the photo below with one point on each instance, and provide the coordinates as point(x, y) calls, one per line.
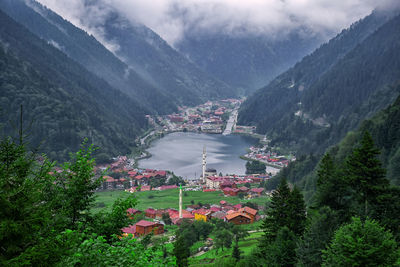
point(250, 212)
point(238, 218)
point(145, 227)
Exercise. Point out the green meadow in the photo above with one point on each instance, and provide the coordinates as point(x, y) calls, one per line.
point(169, 199)
point(246, 246)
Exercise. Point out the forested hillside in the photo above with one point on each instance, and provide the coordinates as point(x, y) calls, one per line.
point(385, 131)
point(64, 102)
point(87, 51)
point(248, 62)
point(152, 57)
point(144, 66)
point(315, 103)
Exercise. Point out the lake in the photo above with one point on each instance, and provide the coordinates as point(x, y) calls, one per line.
point(182, 153)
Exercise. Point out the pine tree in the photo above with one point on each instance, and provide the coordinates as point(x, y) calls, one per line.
point(362, 244)
point(287, 209)
point(278, 212)
point(297, 212)
point(282, 251)
point(317, 235)
point(333, 189)
point(236, 252)
point(365, 173)
point(26, 200)
point(181, 252)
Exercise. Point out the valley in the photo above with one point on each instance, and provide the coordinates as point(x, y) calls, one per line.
point(192, 133)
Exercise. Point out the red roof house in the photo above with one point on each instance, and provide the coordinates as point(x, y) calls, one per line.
point(133, 212)
point(257, 191)
point(150, 213)
point(131, 229)
point(145, 227)
point(237, 207)
point(238, 218)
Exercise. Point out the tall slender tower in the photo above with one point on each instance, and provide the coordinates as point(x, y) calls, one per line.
point(180, 201)
point(204, 165)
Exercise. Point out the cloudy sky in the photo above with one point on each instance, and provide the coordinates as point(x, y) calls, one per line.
point(172, 19)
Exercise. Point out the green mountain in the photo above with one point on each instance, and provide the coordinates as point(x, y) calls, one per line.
point(64, 102)
point(163, 66)
point(316, 102)
point(87, 51)
point(247, 62)
point(144, 66)
point(385, 130)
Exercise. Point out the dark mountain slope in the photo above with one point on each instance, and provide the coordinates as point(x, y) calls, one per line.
point(65, 102)
point(87, 51)
point(165, 67)
point(247, 62)
point(314, 104)
point(385, 130)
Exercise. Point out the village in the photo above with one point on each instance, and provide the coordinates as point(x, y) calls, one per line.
point(266, 156)
point(122, 176)
point(211, 117)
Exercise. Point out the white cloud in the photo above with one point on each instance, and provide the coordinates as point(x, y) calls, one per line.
point(172, 19)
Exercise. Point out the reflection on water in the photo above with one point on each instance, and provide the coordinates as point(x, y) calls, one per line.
point(182, 153)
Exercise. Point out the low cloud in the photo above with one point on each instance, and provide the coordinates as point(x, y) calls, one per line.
point(173, 19)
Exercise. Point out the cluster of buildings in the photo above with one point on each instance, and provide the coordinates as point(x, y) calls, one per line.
point(263, 154)
point(207, 118)
point(122, 175)
point(236, 214)
point(248, 130)
point(233, 185)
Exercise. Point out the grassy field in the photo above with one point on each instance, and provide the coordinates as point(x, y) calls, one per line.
point(246, 246)
point(169, 199)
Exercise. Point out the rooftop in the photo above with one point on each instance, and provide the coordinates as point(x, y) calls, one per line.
point(236, 214)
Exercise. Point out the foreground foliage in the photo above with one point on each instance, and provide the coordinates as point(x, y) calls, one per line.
point(362, 244)
point(45, 217)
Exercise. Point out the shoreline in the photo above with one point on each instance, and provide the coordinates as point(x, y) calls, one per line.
point(266, 163)
point(155, 137)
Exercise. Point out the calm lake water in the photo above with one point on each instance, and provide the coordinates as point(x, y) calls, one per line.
point(182, 153)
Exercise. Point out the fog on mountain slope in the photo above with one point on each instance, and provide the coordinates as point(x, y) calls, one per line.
point(328, 93)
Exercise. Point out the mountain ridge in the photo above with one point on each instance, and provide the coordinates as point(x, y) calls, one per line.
point(282, 109)
point(66, 102)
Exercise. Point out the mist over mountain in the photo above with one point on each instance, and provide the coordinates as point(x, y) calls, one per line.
point(246, 62)
point(160, 64)
point(243, 44)
point(87, 51)
point(328, 93)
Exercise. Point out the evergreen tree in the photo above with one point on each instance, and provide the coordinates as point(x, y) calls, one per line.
point(317, 235)
point(181, 252)
point(26, 200)
point(387, 209)
point(297, 212)
point(287, 208)
point(362, 244)
point(278, 212)
point(236, 252)
point(282, 252)
point(365, 174)
point(332, 189)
